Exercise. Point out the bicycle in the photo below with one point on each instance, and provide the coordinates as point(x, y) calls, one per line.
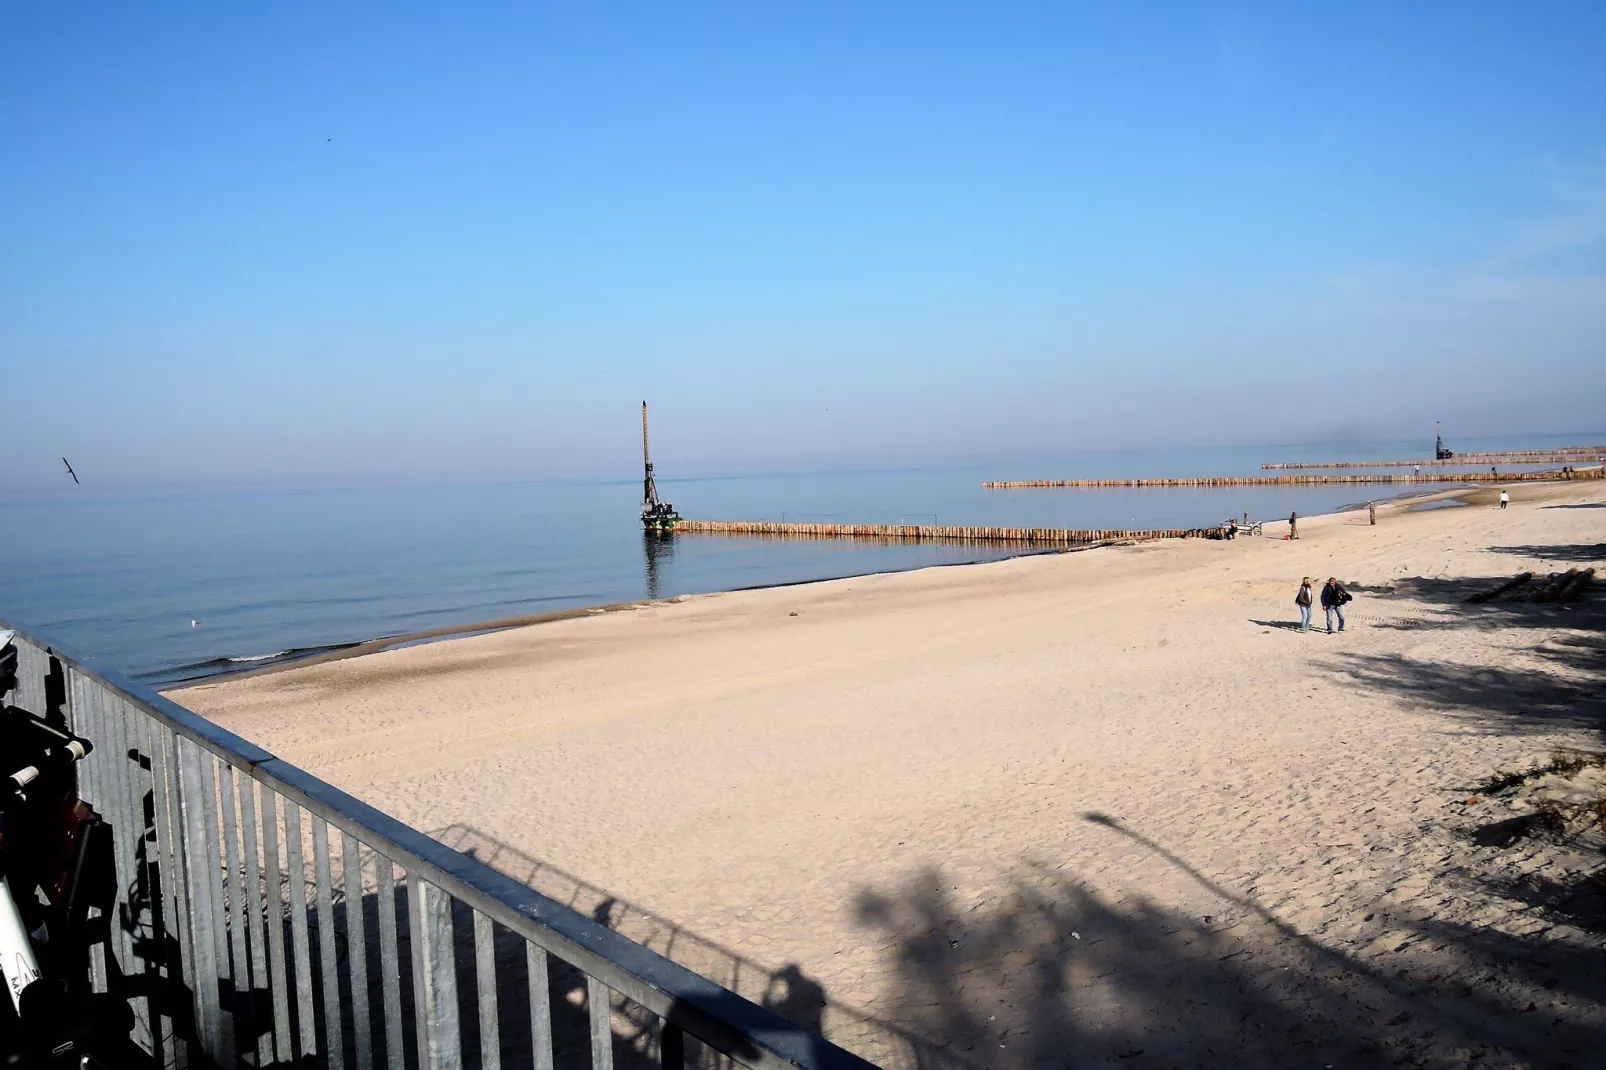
point(55, 869)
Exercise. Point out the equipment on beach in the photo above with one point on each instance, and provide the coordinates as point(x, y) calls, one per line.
point(55, 869)
point(657, 517)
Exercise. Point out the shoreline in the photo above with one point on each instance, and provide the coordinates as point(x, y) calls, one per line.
point(446, 633)
point(366, 647)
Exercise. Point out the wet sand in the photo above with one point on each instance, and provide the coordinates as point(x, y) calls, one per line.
point(1062, 808)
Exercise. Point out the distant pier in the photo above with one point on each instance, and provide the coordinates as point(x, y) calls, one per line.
point(942, 533)
point(1298, 481)
point(1564, 455)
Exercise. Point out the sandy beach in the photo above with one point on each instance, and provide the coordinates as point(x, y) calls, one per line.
point(1057, 810)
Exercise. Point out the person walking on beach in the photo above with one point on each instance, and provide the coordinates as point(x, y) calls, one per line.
point(1417, 470)
point(1303, 601)
point(1505, 499)
point(1333, 598)
point(1293, 525)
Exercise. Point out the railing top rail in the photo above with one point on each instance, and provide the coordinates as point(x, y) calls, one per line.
point(736, 1026)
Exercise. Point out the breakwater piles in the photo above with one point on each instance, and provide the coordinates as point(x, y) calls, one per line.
point(942, 533)
point(1297, 481)
point(1568, 455)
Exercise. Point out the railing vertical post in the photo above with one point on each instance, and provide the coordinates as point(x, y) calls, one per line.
point(601, 1024)
point(252, 912)
point(193, 800)
point(357, 952)
point(179, 898)
point(115, 800)
point(301, 946)
point(238, 919)
point(390, 965)
point(31, 661)
point(218, 919)
point(136, 881)
point(278, 972)
point(485, 982)
point(434, 976)
point(540, 1006)
point(334, 1043)
point(86, 723)
point(154, 875)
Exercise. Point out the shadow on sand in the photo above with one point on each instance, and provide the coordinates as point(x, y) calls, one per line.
point(1281, 625)
point(1559, 683)
point(1051, 974)
point(1584, 553)
point(1555, 683)
point(788, 990)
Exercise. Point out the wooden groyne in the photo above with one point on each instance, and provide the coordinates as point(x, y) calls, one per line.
point(1568, 455)
point(1298, 481)
point(942, 533)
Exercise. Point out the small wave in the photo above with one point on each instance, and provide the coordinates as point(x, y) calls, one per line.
point(196, 670)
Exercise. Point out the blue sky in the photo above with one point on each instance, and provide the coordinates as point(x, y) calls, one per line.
point(275, 241)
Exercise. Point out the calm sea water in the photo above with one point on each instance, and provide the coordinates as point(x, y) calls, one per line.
point(271, 573)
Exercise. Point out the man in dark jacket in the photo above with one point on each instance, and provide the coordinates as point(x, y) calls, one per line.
point(1333, 598)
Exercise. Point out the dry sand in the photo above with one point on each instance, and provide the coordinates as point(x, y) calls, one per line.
point(1050, 811)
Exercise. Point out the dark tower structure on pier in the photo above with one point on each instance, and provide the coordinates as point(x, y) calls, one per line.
point(1438, 444)
point(657, 517)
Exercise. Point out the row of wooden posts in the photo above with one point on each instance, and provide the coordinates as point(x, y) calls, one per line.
point(1296, 481)
point(1569, 455)
point(1079, 536)
point(941, 533)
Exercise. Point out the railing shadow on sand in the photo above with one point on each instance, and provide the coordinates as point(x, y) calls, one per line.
point(788, 990)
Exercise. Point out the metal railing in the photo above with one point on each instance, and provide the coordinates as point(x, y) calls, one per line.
point(389, 950)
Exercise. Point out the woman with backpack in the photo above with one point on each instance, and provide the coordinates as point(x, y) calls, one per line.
point(1303, 600)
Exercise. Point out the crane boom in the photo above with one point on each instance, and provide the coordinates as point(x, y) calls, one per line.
point(657, 517)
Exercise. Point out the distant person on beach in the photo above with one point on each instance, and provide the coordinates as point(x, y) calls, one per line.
point(1333, 598)
point(1303, 600)
point(1293, 525)
point(1417, 470)
point(1505, 499)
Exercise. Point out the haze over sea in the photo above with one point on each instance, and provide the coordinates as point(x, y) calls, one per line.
point(269, 574)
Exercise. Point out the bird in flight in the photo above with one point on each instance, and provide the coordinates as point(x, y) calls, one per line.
point(71, 472)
